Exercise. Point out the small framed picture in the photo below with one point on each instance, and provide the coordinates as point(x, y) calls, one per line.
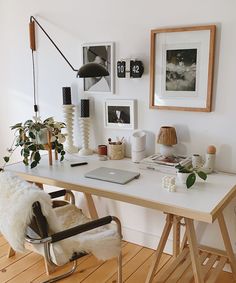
point(181, 68)
point(101, 53)
point(120, 114)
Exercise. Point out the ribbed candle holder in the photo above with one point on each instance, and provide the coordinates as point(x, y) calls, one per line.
point(84, 131)
point(69, 110)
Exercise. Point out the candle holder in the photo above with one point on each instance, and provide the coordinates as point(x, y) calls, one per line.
point(84, 123)
point(69, 110)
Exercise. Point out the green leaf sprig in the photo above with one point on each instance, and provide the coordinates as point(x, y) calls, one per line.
point(193, 173)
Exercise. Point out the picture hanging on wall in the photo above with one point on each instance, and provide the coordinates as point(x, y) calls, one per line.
point(181, 68)
point(101, 53)
point(120, 114)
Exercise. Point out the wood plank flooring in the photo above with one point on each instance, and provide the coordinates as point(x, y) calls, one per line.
point(29, 267)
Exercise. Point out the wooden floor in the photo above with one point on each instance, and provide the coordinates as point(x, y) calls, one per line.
point(29, 267)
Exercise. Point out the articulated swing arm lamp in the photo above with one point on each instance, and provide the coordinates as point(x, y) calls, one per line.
point(86, 71)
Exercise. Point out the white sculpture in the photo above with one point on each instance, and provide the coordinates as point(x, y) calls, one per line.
point(84, 123)
point(69, 110)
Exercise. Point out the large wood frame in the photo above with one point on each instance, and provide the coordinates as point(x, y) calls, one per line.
point(207, 97)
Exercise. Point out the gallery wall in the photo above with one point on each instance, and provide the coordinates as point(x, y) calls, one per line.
point(128, 25)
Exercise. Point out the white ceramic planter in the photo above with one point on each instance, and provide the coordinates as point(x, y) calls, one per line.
point(182, 177)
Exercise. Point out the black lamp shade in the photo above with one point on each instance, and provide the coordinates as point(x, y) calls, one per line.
point(92, 70)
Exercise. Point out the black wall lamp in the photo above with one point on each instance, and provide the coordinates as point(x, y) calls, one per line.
point(86, 71)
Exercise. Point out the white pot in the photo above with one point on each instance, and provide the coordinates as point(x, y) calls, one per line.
point(182, 177)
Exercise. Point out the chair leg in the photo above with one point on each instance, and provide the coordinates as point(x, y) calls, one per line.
point(10, 252)
point(49, 267)
point(64, 275)
point(119, 268)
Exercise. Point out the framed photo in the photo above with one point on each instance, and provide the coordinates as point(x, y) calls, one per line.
point(120, 114)
point(101, 53)
point(181, 68)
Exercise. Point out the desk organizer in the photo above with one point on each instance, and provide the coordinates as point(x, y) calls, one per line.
point(116, 151)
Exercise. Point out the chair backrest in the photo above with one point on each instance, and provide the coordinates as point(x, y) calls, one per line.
point(39, 222)
point(20, 202)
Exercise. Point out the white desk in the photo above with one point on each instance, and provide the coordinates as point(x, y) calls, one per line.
point(204, 202)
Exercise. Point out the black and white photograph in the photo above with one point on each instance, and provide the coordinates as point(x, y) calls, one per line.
point(119, 114)
point(101, 53)
point(181, 69)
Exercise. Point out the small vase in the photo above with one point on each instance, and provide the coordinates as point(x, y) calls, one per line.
point(182, 177)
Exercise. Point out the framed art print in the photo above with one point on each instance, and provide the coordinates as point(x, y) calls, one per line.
point(101, 53)
point(120, 114)
point(181, 68)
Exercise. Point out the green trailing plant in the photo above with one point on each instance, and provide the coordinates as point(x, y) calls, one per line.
point(193, 173)
point(30, 135)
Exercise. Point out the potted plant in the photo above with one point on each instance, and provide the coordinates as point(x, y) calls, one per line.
point(32, 137)
point(189, 174)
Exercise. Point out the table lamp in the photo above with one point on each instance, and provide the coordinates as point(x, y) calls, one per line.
point(167, 138)
point(88, 70)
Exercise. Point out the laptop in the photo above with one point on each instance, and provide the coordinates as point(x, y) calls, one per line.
point(112, 175)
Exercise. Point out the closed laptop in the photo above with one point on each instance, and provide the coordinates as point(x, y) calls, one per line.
point(112, 175)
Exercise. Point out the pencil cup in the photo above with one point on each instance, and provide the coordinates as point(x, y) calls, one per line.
point(116, 151)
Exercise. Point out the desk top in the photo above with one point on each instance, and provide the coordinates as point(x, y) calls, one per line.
point(201, 202)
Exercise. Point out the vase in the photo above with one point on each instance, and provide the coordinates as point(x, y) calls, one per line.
point(182, 177)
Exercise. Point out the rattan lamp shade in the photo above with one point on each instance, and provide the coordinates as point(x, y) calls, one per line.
point(167, 136)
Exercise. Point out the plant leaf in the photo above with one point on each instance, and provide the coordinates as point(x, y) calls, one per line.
point(32, 147)
point(31, 135)
point(18, 125)
point(62, 158)
point(41, 147)
point(33, 164)
point(190, 180)
point(28, 122)
point(202, 175)
point(6, 158)
point(37, 156)
point(25, 161)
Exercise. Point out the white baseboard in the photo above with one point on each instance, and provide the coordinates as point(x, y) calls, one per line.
point(145, 239)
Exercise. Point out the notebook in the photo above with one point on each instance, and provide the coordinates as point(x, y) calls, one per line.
point(112, 175)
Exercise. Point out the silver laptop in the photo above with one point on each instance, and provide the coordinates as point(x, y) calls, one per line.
point(112, 175)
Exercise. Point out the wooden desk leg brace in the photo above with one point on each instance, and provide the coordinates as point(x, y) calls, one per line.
point(172, 220)
point(160, 248)
point(192, 246)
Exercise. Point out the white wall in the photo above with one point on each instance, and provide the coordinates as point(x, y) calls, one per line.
point(128, 24)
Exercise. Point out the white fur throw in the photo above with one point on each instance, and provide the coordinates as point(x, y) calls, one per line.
point(16, 199)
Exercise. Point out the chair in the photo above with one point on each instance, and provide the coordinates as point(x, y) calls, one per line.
point(31, 219)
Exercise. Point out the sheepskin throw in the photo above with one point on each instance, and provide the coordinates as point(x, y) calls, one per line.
point(16, 199)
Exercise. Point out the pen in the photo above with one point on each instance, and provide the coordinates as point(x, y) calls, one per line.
point(78, 164)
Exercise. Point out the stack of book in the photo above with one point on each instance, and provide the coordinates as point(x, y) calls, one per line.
point(164, 164)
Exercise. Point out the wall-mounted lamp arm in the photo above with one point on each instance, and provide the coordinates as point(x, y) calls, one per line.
point(33, 43)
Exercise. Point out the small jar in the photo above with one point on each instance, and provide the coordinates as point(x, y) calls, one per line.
point(196, 161)
point(102, 149)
